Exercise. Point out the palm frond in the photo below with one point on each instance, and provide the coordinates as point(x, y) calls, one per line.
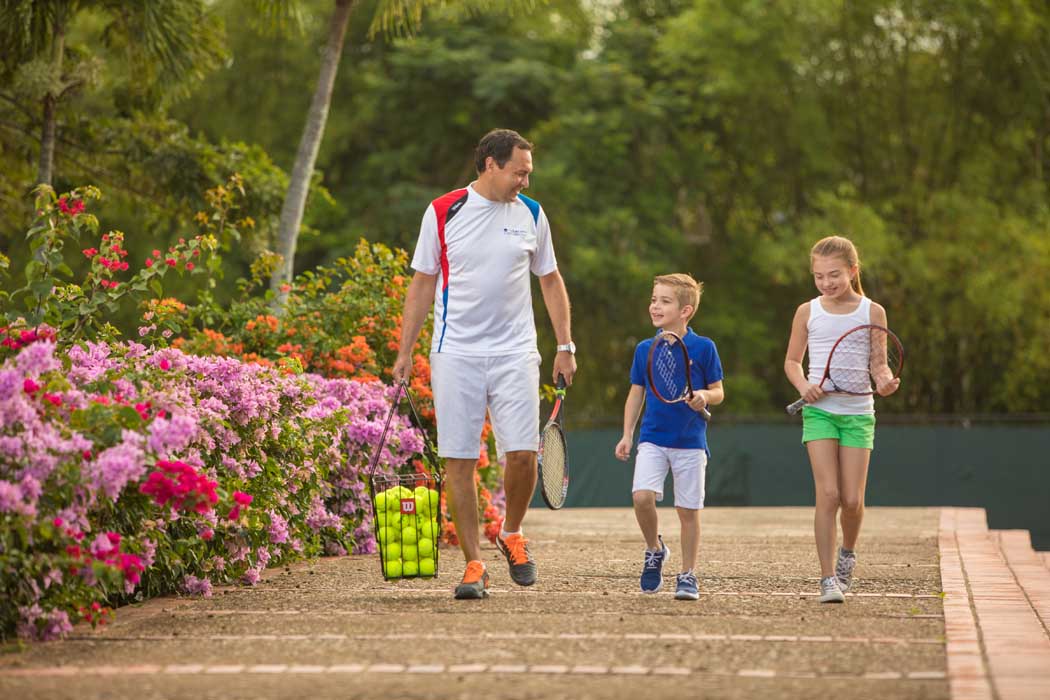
point(405, 17)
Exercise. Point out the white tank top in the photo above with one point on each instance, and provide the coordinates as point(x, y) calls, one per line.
point(824, 329)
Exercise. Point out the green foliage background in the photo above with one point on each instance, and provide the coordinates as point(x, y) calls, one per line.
point(720, 139)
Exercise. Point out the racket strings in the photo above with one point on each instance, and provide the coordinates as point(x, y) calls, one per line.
point(859, 358)
point(552, 462)
point(670, 371)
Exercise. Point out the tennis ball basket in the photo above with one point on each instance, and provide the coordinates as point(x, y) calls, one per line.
point(406, 508)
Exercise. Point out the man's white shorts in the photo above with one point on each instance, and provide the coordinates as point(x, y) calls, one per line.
point(688, 466)
point(508, 385)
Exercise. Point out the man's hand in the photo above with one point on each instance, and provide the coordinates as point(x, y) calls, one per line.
point(402, 369)
point(564, 364)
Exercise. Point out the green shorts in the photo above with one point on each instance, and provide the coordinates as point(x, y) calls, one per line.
point(850, 431)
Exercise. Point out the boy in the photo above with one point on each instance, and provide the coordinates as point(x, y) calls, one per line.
point(673, 436)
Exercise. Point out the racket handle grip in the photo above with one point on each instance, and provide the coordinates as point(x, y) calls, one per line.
point(706, 414)
point(794, 408)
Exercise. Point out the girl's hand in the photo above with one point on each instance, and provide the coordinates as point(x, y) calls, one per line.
point(813, 393)
point(697, 401)
point(885, 388)
point(623, 449)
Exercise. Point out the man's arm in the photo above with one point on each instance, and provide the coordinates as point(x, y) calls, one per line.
point(418, 299)
point(556, 299)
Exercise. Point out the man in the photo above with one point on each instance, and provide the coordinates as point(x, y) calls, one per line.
point(481, 242)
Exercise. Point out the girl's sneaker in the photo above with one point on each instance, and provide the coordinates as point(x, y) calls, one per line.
point(844, 568)
point(688, 588)
point(652, 569)
point(830, 591)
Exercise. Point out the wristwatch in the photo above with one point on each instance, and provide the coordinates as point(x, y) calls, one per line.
point(569, 347)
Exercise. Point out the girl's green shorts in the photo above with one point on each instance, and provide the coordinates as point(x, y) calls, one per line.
point(850, 431)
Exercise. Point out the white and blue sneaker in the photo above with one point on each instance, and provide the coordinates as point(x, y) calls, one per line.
point(847, 561)
point(652, 570)
point(688, 588)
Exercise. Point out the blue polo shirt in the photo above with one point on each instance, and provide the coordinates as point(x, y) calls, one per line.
point(677, 425)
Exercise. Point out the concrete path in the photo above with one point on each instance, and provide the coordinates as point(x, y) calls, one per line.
point(334, 628)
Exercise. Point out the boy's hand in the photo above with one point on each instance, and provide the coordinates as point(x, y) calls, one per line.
point(623, 449)
point(697, 401)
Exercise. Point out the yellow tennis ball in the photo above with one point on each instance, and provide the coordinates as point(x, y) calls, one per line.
point(426, 567)
point(435, 499)
point(393, 568)
point(426, 547)
point(410, 552)
point(381, 518)
point(409, 535)
point(380, 501)
point(392, 551)
point(428, 529)
point(410, 568)
point(422, 501)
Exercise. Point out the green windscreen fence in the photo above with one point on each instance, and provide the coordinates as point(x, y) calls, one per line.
point(1003, 468)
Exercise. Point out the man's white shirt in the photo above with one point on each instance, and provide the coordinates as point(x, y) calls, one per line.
point(483, 252)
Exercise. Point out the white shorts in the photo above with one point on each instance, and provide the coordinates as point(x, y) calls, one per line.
point(508, 385)
point(688, 466)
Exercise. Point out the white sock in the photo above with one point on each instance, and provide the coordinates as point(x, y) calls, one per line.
point(503, 534)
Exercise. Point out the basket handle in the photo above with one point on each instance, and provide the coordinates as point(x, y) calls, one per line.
point(431, 453)
point(402, 388)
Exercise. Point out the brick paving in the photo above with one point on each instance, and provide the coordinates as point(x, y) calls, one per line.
point(334, 628)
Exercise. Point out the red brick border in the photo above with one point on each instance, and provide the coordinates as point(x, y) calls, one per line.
point(997, 643)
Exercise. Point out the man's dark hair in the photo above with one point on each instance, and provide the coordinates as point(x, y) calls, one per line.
point(500, 145)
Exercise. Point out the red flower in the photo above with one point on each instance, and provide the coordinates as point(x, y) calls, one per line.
point(242, 499)
point(189, 266)
point(165, 365)
point(90, 252)
point(29, 386)
point(170, 261)
point(156, 253)
point(149, 262)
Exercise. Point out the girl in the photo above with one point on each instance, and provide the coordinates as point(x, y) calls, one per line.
point(837, 429)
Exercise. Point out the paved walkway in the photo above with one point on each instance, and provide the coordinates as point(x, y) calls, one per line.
point(334, 628)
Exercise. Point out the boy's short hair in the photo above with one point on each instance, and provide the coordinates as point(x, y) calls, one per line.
point(686, 290)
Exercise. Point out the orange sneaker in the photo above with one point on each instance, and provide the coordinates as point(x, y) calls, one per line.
point(475, 582)
point(522, 567)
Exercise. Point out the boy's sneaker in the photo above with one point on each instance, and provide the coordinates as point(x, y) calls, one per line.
point(844, 569)
point(688, 588)
point(652, 570)
point(830, 591)
point(475, 582)
point(516, 549)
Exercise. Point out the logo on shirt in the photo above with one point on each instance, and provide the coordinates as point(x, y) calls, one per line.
point(519, 232)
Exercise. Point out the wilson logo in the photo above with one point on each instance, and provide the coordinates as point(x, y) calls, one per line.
point(408, 506)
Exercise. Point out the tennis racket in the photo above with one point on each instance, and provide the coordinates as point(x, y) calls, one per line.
point(669, 372)
point(553, 457)
point(859, 356)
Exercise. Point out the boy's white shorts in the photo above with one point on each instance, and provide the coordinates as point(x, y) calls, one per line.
point(508, 385)
point(688, 466)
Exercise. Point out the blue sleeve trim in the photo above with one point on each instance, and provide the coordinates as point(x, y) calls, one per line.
point(533, 206)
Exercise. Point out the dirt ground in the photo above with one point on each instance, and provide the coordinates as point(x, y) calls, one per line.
point(334, 628)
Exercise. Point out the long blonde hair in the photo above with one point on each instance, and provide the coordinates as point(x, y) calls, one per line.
point(839, 247)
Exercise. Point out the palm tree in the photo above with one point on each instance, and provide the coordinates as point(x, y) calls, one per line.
point(169, 42)
point(391, 16)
